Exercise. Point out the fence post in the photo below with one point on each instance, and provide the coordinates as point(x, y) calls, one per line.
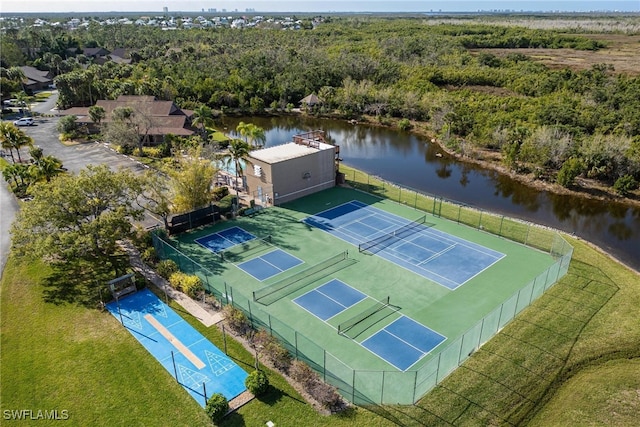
point(353, 387)
point(501, 221)
point(324, 365)
point(382, 389)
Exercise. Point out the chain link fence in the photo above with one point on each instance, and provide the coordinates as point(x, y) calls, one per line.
point(365, 387)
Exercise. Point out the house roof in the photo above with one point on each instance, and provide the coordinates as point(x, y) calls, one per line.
point(147, 104)
point(95, 51)
point(311, 100)
point(35, 75)
point(290, 150)
point(165, 116)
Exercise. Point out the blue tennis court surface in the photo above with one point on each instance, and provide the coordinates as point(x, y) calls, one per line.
point(329, 299)
point(403, 342)
point(197, 361)
point(447, 260)
point(268, 265)
point(217, 242)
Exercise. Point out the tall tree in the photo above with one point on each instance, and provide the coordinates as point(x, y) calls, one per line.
point(251, 133)
point(203, 118)
point(13, 138)
point(97, 114)
point(156, 195)
point(78, 217)
point(192, 182)
point(237, 154)
point(44, 167)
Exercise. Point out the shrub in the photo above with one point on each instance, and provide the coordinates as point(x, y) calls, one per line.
point(226, 203)
point(220, 192)
point(404, 124)
point(237, 320)
point(303, 374)
point(188, 283)
point(569, 172)
point(257, 382)
point(625, 184)
point(67, 124)
point(166, 268)
point(272, 350)
point(278, 355)
point(153, 152)
point(217, 407)
point(149, 255)
point(325, 394)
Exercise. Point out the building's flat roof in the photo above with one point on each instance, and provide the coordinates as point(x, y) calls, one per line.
point(290, 150)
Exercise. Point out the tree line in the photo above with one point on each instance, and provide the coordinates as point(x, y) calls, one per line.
point(389, 68)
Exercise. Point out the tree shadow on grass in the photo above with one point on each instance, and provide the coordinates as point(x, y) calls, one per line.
point(274, 395)
point(79, 282)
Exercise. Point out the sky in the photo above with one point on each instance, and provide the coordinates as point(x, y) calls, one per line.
point(7, 6)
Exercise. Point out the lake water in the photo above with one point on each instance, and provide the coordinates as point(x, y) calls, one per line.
point(413, 162)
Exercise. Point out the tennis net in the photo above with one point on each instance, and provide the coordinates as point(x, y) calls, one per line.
point(388, 239)
point(235, 252)
point(271, 293)
point(362, 316)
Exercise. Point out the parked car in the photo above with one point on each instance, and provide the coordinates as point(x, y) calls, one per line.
point(24, 121)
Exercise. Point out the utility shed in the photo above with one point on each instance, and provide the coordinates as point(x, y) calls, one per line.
point(292, 170)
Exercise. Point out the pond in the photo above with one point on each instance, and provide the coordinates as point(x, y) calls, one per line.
point(412, 161)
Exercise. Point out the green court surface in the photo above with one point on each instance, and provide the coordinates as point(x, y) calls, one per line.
point(449, 313)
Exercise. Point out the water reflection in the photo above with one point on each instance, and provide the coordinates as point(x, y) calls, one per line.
point(413, 162)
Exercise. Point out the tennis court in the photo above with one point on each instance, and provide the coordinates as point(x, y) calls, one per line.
point(270, 264)
point(193, 360)
point(328, 300)
point(415, 245)
point(224, 239)
point(401, 343)
point(379, 330)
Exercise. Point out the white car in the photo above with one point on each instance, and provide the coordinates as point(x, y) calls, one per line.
point(24, 121)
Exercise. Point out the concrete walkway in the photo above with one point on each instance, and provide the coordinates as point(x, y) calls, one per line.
point(208, 318)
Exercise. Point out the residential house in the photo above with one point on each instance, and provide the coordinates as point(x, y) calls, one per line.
point(161, 117)
point(35, 79)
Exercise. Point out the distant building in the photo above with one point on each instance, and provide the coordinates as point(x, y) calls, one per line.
point(289, 171)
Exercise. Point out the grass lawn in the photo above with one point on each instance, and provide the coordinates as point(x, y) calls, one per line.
point(569, 359)
point(68, 357)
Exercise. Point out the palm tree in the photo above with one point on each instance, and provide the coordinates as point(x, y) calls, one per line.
point(238, 152)
point(16, 74)
point(252, 134)
point(203, 117)
point(46, 167)
point(13, 138)
point(17, 172)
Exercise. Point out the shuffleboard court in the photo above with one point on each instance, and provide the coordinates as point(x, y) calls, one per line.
point(445, 259)
point(184, 352)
